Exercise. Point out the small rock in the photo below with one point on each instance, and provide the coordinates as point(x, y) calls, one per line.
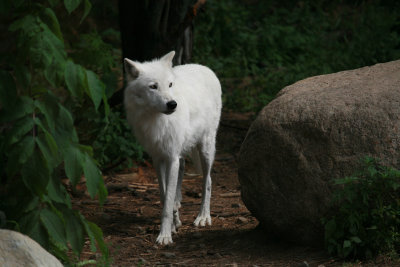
point(235, 205)
point(168, 255)
point(241, 220)
point(218, 256)
point(20, 250)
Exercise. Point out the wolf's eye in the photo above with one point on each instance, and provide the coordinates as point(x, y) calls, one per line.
point(170, 84)
point(153, 86)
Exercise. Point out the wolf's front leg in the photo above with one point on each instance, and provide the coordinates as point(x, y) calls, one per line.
point(172, 168)
point(160, 167)
point(178, 196)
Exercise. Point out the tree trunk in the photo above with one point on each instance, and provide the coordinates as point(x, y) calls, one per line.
point(152, 28)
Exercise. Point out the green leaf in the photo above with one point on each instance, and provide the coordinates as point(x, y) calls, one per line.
point(31, 226)
point(26, 23)
point(54, 225)
point(65, 121)
point(356, 239)
point(32, 205)
point(49, 108)
point(8, 91)
point(98, 235)
point(102, 193)
point(92, 175)
point(49, 138)
point(346, 244)
point(55, 191)
point(19, 130)
point(74, 231)
point(89, 233)
point(87, 149)
point(23, 106)
point(95, 88)
point(19, 155)
point(75, 79)
point(71, 5)
point(46, 50)
point(36, 173)
point(73, 159)
point(54, 73)
point(52, 160)
point(50, 18)
point(106, 106)
point(87, 6)
point(22, 75)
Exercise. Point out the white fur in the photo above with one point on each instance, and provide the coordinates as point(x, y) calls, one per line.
point(167, 138)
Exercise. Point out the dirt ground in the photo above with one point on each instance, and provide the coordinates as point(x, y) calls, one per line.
point(130, 217)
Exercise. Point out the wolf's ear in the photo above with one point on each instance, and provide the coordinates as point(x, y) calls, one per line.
point(168, 58)
point(131, 69)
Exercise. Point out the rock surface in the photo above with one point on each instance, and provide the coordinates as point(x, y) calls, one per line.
point(17, 249)
point(315, 130)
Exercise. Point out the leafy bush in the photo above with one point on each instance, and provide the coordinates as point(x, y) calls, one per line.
point(39, 84)
point(366, 220)
point(114, 143)
point(259, 47)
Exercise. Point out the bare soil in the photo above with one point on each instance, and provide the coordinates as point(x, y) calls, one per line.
point(130, 218)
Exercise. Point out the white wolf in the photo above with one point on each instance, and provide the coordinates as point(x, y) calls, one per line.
point(173, 110)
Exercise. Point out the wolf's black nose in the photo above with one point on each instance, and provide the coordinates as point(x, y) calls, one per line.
point(171, 105)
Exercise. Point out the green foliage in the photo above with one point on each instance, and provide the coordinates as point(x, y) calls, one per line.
point(366, 213)
point(259, 47)
point(114, 142)
point(39, 87)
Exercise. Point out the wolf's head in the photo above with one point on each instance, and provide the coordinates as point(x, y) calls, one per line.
point(150, 84)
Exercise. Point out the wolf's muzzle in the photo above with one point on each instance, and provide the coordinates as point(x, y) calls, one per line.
point(171, 106)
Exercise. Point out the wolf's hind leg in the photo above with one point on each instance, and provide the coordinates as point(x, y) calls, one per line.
point(207, 152)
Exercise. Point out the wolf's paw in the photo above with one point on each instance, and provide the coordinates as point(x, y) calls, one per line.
point(202, 220)
point(164, 239)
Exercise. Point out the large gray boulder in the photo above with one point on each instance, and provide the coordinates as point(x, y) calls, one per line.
point(315, 130)
point(18, 250)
